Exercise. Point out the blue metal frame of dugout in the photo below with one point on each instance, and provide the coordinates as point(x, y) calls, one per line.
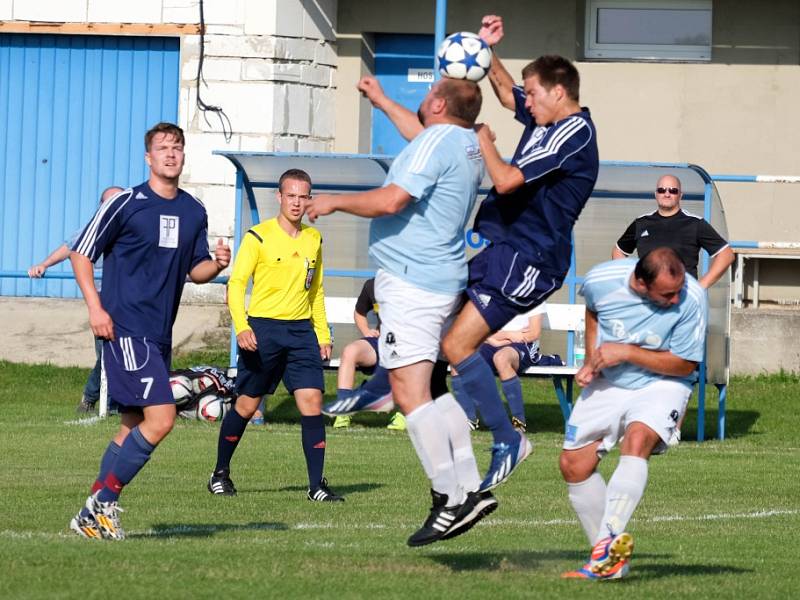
point(259, 171)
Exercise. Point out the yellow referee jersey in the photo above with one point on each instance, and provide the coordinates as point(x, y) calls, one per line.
point(287, 278)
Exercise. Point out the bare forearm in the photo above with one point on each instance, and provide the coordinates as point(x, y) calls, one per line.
point(362, 324)
point(58, 255)
point(205, 271)
point(662, 362)
point(506, 178)
point(407, 122)
point(719, 264)
point(84, 276)
point(387, 200)
point(502, 82)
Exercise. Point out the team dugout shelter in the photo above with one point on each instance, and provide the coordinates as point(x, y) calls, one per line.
point(624, 191)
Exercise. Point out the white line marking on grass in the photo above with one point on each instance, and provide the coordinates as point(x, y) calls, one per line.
point(86, 421)
point(212, 529)
point(761, 514)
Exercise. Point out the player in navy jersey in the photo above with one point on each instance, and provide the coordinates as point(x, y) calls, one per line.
point(528, 217)
point(151, 237)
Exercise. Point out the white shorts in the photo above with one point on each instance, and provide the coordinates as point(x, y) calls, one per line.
point(413, 320)
point(603, 411)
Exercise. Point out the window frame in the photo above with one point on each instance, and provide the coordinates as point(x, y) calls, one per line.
point(644, 52)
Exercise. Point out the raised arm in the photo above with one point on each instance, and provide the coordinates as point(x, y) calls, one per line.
point(491, 32)
point(407, 122)
point(56, 256)
point(387, 200)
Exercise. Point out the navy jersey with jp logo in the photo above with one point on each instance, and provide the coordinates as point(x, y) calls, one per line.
point(560, 163)
point(148, 244)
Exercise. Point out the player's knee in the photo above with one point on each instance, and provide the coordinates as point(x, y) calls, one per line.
point(160, 427)
point(450, 348)
point(571, 469)
point(503, 367)
point(349, 355)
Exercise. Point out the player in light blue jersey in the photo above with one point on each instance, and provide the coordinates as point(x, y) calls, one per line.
point(417, 241)
point(645, 335)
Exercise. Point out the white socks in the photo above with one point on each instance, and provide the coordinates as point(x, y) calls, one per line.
point(624, 491)
point(431, 441)
point(588, 498)
point(455, 419)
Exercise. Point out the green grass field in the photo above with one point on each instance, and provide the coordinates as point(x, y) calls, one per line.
point(718, 520)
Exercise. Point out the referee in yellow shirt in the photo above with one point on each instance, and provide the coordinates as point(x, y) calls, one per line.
point(282, 334)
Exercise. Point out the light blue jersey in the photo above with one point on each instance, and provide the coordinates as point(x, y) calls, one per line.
point(424, 243)
point(627, 318)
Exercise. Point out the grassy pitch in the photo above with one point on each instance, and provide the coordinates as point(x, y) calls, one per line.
point(718, 520)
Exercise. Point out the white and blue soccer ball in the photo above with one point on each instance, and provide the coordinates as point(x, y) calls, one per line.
point(464, 55)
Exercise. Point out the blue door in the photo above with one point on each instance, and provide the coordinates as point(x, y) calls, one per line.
point(404, 67)
point(73, 113)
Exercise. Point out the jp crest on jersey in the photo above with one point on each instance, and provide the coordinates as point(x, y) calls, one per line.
point(464, 55)
point(212, 408)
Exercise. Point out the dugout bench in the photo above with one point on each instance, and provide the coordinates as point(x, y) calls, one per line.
point(559, 317)
point(624, 190)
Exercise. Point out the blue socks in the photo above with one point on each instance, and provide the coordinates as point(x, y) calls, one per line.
point(478, 380)
point(313, 434)
point(464, 399)
point(108, 460)
point(379, 384)
point(133, 455)
point(512, 390)
point(231, 431)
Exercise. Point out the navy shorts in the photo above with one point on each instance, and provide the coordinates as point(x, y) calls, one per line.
point(372, 341)
point(287, 350)
point(502, 284)
point(528, 354)
point(137, 370)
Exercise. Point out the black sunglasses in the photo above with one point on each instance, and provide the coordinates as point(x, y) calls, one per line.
point(672, 191)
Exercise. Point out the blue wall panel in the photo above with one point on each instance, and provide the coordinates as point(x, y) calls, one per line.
point(73, 113)
point(395, 54)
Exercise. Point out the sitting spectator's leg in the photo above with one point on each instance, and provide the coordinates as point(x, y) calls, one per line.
point(358, 354)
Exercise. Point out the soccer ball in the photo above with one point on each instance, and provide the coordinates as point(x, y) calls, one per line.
point(204, 382)
point(181, 388)
point(464, 55)
point(211, 408)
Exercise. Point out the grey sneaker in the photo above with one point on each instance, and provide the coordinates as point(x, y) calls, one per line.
point(106, 516)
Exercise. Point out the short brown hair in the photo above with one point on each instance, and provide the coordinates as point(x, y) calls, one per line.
point(165, 128)
point(658, 260)
point(463, 97)
point(297, 175)
point(555, 70)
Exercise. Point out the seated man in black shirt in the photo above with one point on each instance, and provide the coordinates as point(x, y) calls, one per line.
point(682, 231)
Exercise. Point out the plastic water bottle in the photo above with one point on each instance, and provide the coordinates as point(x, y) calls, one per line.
point(580, 344)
